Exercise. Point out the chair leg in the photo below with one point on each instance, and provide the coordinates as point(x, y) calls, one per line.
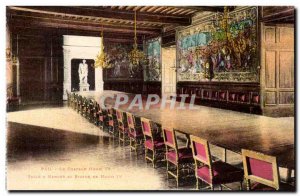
point(248, 184)
point(153, 158)
point(167, 168)
point(197, 183)
point(177, 175)
point(146, 154)
point(135, 147)
point(241, 185)
point(130, 143)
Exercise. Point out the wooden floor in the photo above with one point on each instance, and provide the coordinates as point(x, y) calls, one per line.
point(46, 145)
point(228, 129)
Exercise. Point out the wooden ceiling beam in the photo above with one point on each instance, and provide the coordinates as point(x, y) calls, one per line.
point(105, 13)
point(207, 8)
point(59, 32)
point(145, 8)
point(137, 8)
point(129, 7)
point(38, 16)
point(185, 11)
point(178, 11)
point(172, 11)
point(158, 9)
point(151, 9)
point(166, 9)
point(78, 26)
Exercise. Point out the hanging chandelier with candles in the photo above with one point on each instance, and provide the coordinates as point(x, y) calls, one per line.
point(102, 59)
point(136, 56)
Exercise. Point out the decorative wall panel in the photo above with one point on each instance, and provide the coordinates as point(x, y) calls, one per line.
point(122, 69)
point(152, 71)
point(277, 69)
point(206, 52)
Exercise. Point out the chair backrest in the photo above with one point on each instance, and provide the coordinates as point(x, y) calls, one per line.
point(96, 107)
point(119, 115)
point(110, 112)
point(261, 168)
point(79, 98)
point(201, 151)
point(121, 120)
point(130, 120)
point(67, 92)
point(102, 113)
point(170, 138)
point(146, 127)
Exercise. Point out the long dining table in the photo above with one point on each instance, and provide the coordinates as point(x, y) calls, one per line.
point(228, 129)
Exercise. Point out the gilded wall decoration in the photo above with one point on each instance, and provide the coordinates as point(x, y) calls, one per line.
point(216, 51)
point(121, 66)
point(152, 70)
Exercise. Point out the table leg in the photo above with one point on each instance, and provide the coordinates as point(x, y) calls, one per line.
point(225, 155)
point(289, 175)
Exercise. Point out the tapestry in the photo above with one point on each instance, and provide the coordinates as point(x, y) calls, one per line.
point(121, 66)
point(222, 49)
point(152, 70)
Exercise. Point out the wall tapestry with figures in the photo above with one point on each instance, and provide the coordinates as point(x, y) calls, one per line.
point(222, 49)
point(152, 70)
point(121, 67)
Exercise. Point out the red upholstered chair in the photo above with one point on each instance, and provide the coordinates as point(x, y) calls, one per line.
point(102, 118)
point(84, 106)
point(135, 132)
point(181, 158)
point(75, 101)
point(262, 171)
point(122, 125)
point(90, 110)
point(112, 121)
point(79, 103)
point(153, 141)
point(212, 173)
point(95, 115)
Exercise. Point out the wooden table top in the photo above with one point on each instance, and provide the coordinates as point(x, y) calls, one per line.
point(228, 129)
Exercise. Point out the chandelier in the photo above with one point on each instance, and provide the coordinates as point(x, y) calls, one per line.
point(102, 59)
point(135, 56)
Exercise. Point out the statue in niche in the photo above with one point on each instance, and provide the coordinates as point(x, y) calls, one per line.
point(83, 72)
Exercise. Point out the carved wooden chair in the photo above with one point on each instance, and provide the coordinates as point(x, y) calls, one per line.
point(181, 158)
point(90, 109)
point(212, 173)
point(78, 102)
point(262, 171)
point(135, 132)
point(84, 106)
point(122, 125)
point(153, 142)
point(102, 118)
point(74, 101)
point(112, 121)
point(68, 98)
point(95, 115)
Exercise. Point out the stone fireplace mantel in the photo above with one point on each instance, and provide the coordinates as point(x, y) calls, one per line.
point(80, 47)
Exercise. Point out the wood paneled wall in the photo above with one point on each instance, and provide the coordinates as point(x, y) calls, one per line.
point(277, 73)
point(40, 66)
point(243, 97)
point(134, 86)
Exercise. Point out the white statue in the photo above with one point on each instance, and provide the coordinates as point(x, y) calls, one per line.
point(83, 72)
